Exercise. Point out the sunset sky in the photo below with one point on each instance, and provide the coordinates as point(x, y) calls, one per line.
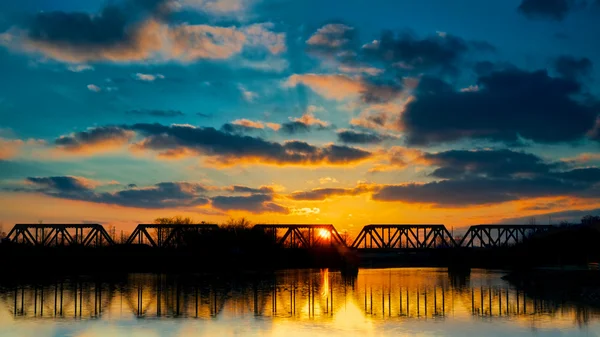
point(299, 111)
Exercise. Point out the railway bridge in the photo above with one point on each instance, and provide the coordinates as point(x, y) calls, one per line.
point(292, 236)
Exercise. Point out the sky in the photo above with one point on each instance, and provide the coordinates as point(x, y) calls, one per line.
point(283, 111)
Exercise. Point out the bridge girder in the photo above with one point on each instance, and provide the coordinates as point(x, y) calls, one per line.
point(48, 235)
point(304, 235)
point(403, 236)
point(171, 235)
point(494, 236)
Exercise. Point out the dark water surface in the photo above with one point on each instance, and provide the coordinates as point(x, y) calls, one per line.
point(376, 302)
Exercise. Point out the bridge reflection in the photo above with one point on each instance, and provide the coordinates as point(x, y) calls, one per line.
point(377, 294)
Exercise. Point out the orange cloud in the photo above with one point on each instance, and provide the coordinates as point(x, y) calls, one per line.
point(256, 124)
point(337, 87)
point(10, 148)
point(310, 119)
point(155, 41)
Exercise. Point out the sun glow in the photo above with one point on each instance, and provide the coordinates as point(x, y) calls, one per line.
point(324, 234)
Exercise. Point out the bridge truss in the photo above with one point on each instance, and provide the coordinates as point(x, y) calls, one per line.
point(494, 236)
point(172, 235)
point(403, 236)
point(303, 236)
point(49, 235)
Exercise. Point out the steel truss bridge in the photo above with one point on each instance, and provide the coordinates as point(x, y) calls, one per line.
point(60, 235)
point(303, 236)
point(403, 236)
point(294, 236)
point(167, 235)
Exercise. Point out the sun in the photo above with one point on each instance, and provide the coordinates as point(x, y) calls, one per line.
point(324, 234)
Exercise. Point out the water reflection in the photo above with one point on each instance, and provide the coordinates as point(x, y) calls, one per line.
point(375, 301)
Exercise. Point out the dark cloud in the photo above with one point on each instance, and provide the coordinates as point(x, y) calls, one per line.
point(229, 147)
point(476, 191)
point(573, 68)
point(508, 105)
point(114, 27)
point(203, 115)
point(546, 9)
point(487, 163)
point(161, 195)
point(156, 113)
point(94, 137)
point(359, 137)
point(585, 175)
point(294, 127)
point(60, 183)
point(408, 52)
point(246, 189)
point(255, 203)
point(492, 176)
point(324, 193)
point(571, 216)
point(238, 128)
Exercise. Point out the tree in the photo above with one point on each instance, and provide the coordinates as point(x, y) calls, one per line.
point(590, 220)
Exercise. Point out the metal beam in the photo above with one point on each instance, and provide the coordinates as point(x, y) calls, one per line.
point(304, 235)
point(403, 236)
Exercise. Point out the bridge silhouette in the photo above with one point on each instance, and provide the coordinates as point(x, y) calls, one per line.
point(371, 237)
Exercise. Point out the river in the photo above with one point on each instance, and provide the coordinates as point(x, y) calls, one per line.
point(376, 302)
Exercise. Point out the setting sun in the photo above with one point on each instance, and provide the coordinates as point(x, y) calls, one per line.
point(324, 234)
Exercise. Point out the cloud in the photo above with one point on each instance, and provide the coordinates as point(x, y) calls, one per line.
point(94, 88)
point(492, 176)
point(475, 191)
point(95, 139)
point(136, 31)
point(161, 195)
point(546, 9)
point(571, 216)
point(244, 125)
point(409, 53)
point(572, 68)
point(327, 180)
point(254, 203)
point(509, 104)
point(218, 7)
point(148, 77)
point(10, 148)
point(249, 96)
point(359, 137)
point(330, 86)
point(78, 68)
point(156, 113)
point(455, 164)
point(331, 36)
point(325, 193)
point(306, 123)
point(306, 211)
point(223, 147)
point(246, 189)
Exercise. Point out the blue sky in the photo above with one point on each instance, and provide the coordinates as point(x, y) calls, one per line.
point(455, 112)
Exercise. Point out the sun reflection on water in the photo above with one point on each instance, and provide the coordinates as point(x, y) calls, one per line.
point(288, 303)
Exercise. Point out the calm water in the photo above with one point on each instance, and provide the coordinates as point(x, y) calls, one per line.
point(381, 302)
